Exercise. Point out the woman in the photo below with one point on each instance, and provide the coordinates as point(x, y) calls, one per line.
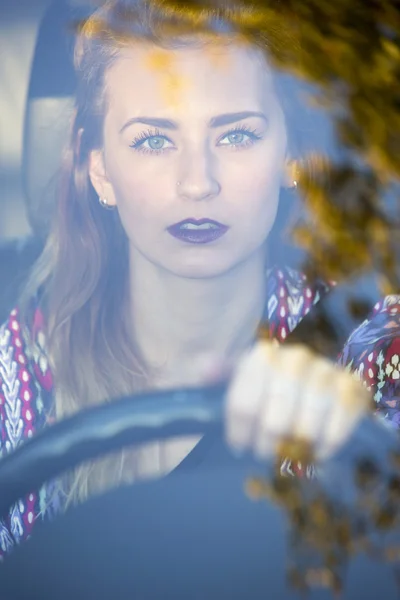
point(155, 269)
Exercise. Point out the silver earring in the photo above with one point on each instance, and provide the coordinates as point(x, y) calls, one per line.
point(104, 204)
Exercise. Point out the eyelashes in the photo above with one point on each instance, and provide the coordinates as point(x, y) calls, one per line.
point(139, 141)
point(156, 140)
point(242, 130)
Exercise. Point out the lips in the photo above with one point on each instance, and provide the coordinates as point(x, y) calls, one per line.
point(198, 231)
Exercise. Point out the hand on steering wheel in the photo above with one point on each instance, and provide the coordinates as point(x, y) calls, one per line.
point(278, 392)
point(274, 393)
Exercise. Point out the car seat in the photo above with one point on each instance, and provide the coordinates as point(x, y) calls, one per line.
point(47, 115)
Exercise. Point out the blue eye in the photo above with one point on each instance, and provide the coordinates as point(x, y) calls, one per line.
point(156, 143)
point(151, 142)
point(236, 138)
point(241, 136)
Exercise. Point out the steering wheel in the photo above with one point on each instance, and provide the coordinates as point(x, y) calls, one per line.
point(194, 534)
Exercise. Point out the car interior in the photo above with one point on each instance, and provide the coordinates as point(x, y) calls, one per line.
point(178, 507)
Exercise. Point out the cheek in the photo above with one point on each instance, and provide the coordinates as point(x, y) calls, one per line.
point(257, 192)
point(265, 208)
point(257, 208)
point(139, 211)
point(137, 205)
point(136, 193)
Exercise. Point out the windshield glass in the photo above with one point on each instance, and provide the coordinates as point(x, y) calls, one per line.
point(194, 195)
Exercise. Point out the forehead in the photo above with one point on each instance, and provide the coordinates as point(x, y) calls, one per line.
point(154, 80)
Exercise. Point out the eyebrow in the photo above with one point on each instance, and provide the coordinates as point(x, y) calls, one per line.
point(217, 121)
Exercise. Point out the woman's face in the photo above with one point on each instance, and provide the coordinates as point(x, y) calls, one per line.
point(192, 134)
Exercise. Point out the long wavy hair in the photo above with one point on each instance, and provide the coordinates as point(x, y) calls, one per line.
point(81, 277)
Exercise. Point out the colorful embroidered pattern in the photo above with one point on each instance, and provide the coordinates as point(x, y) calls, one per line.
point(290, 299)
point(373, 353)
point(17, 419)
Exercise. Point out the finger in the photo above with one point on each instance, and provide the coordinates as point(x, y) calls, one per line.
point(246, 392)
point(352, 403)
point(317, 400)
point(283, 398)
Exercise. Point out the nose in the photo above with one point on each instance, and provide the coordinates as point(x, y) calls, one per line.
point(197, 179)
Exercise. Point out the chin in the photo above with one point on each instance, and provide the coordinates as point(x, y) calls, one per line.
point(201, 269)
point(200, 272)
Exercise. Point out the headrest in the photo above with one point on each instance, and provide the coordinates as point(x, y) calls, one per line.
point(48, 112)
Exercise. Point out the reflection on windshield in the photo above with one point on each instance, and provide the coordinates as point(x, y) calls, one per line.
point(124, 200)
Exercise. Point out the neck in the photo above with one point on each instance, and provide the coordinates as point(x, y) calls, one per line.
point(177, 319)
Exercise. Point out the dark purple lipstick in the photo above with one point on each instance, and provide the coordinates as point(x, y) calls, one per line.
point(201, 231)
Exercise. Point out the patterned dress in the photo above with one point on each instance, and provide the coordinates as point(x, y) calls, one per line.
point(372, 352)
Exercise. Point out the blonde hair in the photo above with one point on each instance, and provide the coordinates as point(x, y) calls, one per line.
point(81, 277)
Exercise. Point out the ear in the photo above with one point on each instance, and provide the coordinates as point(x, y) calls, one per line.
point(99, 179)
